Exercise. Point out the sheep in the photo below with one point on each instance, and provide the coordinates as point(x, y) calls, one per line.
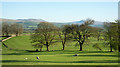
point(37, 57)
point(76, 55)
point(26, 58)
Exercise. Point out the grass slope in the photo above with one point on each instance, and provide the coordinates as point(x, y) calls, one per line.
point(19, 48)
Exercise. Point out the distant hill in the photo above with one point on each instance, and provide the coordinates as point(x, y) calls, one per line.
point(9, 20)
point(96, 23)
point(32, 23)
point(32, 20)
point(78, 22)
point(27, 23)
point(69, 23)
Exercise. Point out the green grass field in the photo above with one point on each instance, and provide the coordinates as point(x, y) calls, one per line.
point(20, 48)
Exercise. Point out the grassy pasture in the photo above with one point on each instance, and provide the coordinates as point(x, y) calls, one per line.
point(20, 48)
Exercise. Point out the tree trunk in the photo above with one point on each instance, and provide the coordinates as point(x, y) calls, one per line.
point(63, 43)
point(81, 43)
point(111, 48)
point(16, 34)
point(47, 46)
point(40, 48)
point(80, 47)
point(63, 47)
point(119, 48)
point(36, 50)
point(110, 45)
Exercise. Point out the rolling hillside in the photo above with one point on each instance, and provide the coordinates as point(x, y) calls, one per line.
point(20, 48)
point(32, 23)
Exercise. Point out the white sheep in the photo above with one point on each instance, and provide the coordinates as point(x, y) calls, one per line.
point(37, 57)
point(26, 58)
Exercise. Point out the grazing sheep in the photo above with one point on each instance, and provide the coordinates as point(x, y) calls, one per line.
point(76, 55)
point(37, 57)
point(26, 58)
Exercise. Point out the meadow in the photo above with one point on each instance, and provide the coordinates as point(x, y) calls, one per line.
point(21, 52)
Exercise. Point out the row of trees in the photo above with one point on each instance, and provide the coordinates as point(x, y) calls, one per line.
point(14, 28)
point(46, 32)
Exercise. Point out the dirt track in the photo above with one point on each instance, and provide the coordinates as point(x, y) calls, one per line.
point(8, 38)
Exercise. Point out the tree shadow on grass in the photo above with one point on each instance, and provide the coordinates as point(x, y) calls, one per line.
point(72, 51)
point(31, 52)
point(94, 56)
point(66, 55)
point(97, 61)
point(69, 51)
